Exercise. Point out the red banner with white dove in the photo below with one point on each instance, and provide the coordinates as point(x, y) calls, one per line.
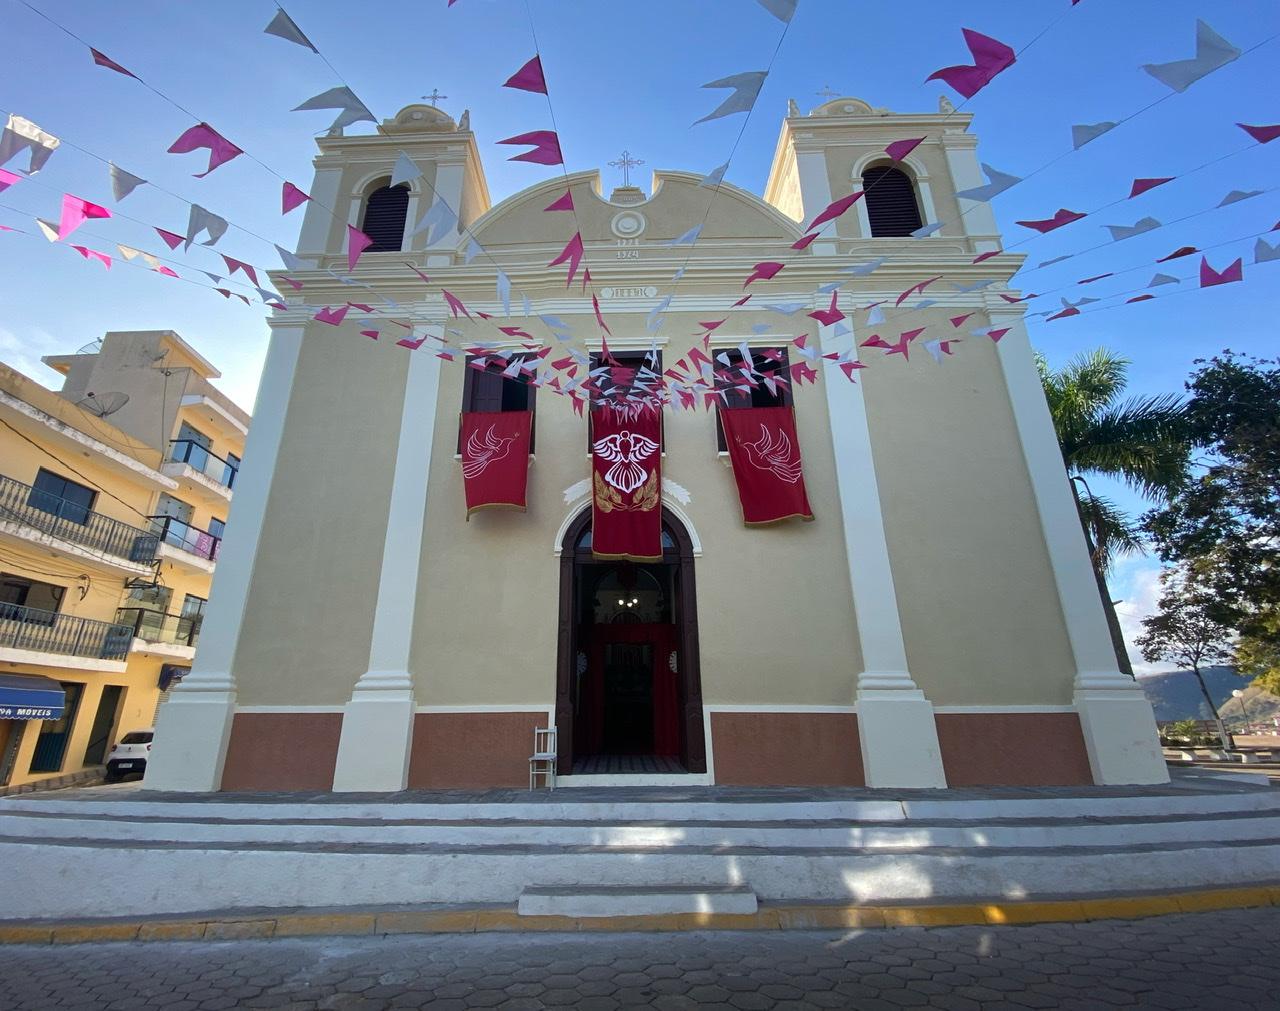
point(765, 453)
point(495, 458)
point(626, 482)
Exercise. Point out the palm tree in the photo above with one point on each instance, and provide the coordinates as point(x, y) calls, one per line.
point(1143, 441)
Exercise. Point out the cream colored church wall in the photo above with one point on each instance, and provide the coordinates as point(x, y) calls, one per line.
point(774, 606)
point(979, 607)
point(309, 615)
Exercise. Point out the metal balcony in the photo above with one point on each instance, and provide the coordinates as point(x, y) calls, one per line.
point(71, 521)
point(157, 626)
point(30, 628)
point(198, 458)
point(174, 532)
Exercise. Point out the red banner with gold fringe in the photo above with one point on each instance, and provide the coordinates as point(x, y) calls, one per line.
point(626, 482)
point(495, 458)
point(765, 452)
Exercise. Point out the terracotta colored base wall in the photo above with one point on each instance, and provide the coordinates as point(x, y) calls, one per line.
point(786, 749)
point(282, 751)
point(1013, 749)
point(471, 751)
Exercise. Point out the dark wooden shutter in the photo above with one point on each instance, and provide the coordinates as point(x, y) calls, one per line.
point(384, 218)
point(891, 202)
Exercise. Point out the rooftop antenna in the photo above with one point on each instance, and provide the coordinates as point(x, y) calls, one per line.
point(107, 403)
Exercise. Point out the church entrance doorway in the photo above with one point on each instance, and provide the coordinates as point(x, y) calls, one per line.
point(628, 695)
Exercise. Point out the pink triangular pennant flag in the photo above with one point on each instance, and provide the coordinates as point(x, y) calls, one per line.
point(1062, 217)
point(960, 320)
point(564, 203)
point(1262, 134)
point(546, 147)
point(201, 135)
point(166, 271)
point(990, 57)
point(357, 243)
point(995, 335)
point(528, 78)
point(987, 255)
point(455, 304)
point(295, 285)
point(1210, 277)
point(764, 271)
point(333, 317)
point(805, 242)
point(291, 197)
point(170, 240)
point(75, 210)
point(1141, 186)
point(7, 179)
point(233, 265)
point(93, 254)
point(103, 60)
point(899, 149)
point(834, 209)
point(571, 254)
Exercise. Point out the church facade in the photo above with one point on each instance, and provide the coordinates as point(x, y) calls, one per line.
point(937, 623)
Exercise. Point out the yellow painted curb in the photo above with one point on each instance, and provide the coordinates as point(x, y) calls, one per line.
point(798, 917)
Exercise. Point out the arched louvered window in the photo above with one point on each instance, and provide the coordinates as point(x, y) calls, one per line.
point(892, 207)
point(384, 216)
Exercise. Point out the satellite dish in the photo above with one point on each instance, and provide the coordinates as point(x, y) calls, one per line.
point(92, 348)
point(107, 403)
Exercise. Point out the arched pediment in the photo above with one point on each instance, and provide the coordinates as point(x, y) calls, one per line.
point(420, 119)
point(677, 204)
point(848, 107)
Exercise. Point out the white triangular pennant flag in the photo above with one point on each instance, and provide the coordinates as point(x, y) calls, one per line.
point(282, 26)
point(1083, 133)
point(123, 183)
point(406, 170)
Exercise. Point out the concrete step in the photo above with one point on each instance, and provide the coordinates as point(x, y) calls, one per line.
point(615, 807)
point(632, 900)
point(356, 835)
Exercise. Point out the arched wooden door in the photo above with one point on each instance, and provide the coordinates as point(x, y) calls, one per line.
point(667, 645)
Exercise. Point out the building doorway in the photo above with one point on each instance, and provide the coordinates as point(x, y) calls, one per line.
point(628, 694)
point(104, 722)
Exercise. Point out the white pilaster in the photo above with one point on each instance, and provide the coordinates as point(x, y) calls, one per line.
point(318, 223)
point(976, 217)
point(377, 724)
point(1119, 727)
point(815, 195)
point(448, 187)
point(896, 728)
point(194, 725)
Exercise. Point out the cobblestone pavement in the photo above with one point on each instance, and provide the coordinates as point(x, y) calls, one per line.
point(1205, 960)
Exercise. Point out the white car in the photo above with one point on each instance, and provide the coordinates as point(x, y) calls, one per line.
point(129, 755)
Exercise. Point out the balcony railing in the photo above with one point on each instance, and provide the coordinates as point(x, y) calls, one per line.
point(198, 458)
point(50, 632)
point(156, 626)
point(71, 521)
point(171, 530)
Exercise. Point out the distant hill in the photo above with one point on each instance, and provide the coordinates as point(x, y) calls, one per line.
point(1175, 695)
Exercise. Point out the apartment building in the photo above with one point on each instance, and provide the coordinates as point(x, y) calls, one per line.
point(114, 493)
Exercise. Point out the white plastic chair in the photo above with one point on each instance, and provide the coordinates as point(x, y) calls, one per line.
point(543, 760)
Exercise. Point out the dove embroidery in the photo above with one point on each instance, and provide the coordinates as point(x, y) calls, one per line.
point(772, 452)
point(625, 450)
point(481, 452)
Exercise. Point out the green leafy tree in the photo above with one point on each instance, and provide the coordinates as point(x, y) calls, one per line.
point(1224, 520)
point(1186, 632)
point(1142, 441)
point(1258, 655)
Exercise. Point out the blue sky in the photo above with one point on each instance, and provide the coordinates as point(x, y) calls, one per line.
point(629, 76)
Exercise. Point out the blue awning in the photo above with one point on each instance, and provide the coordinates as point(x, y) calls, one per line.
point(28, 697)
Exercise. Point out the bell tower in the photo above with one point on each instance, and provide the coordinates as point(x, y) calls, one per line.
point(349, 169)
point(839, 147)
